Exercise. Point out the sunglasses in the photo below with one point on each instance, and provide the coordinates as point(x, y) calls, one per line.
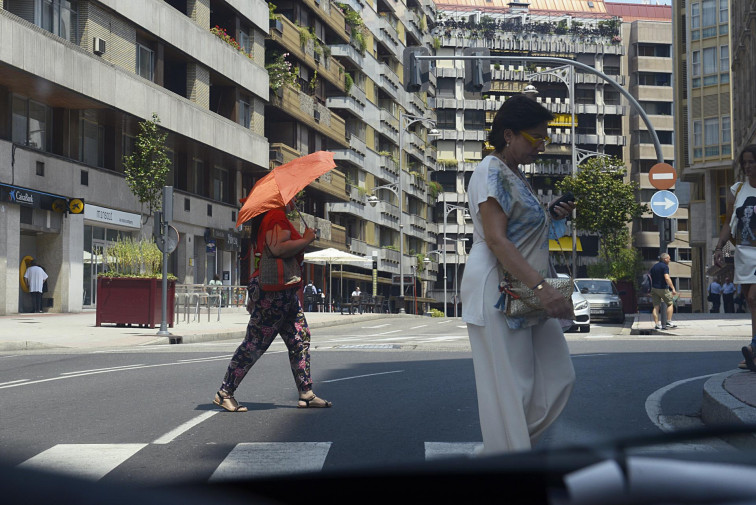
point(536, 141)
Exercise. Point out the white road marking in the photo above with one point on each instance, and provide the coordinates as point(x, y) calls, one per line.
point(416, 327)
point(108, 369)
point(439, 450)
point(598, 336)
point(180, 430)
point(13, 382)
point(362, 376)
point(374, 327)
point(86, 461)
point(446, 322)
point(199, 360)
point(264, 459)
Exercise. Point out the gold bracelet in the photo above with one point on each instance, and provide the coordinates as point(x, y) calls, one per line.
point(539, 286)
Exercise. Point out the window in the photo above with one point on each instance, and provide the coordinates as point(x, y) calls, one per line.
point(709, 12)
point(445, 87)
point(58, 17)
point(711, 136)
point(446, 119)
point(244, 41)
point(724, 16)
point(724, 58)
point(710, 60)
point(145, 62)
point(475, 119)
point(658, 50)
point(657, 108)
point(92, 145)
point(697, 138)
point(683, 283)
point(695, 16)
point(245, 113)
point(654, 79)
point(695, 63)
point(199, 177)
point(726, 130)
point(220, 184)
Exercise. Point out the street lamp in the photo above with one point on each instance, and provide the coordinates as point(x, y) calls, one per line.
point(456, 269)
point(448, 207)
point(398, 190)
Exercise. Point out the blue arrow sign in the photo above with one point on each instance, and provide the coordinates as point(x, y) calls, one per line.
point(664, 203)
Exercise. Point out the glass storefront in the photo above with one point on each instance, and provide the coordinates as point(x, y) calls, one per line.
point(96, 241)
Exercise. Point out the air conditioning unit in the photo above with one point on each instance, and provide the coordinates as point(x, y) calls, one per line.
point(98, 46)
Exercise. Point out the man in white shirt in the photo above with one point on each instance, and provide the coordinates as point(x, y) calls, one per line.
point(35, 277)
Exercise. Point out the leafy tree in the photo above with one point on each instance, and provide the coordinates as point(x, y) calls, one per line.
point(148, 166)
point(605, 205)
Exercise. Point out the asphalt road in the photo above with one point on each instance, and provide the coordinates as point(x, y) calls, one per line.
point(401, 394)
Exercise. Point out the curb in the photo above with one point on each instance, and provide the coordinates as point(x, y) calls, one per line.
point(719, 407)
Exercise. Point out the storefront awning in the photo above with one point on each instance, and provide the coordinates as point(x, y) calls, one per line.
point(564, 244)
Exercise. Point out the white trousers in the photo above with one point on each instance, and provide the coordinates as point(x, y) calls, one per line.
point(523, 379)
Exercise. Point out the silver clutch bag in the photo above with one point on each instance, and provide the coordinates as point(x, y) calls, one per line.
point(521, 301)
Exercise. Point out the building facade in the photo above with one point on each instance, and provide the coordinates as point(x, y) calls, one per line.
point(703, 118)
point(632, 47)
point(77, 77)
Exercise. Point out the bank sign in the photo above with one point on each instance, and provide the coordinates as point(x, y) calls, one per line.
point(40, 200)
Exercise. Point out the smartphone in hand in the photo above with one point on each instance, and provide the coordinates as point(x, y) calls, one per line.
point(567, 197)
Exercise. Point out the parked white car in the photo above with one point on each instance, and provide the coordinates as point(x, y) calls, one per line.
point(582, 321)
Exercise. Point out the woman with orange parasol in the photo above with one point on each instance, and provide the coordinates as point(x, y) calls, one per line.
point(274, 312)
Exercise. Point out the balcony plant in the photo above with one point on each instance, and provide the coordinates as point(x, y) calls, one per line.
point(129, 290)
point(281, 72)
point(228, 39)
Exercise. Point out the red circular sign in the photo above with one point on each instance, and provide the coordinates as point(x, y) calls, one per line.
point(662, 176)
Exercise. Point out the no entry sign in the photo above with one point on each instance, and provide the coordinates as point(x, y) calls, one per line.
point(662, 176)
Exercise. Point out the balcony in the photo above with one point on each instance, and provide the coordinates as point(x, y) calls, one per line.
point(302, 107)
point(328, 67)
point(332, 184)
point(330, 15)
point(389, 81)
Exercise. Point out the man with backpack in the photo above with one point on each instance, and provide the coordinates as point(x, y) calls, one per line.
point(310, 292)
point(662, 290)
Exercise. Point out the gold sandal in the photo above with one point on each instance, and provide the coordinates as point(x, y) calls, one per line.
point(228, 402)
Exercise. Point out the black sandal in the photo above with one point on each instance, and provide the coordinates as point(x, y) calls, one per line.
point(228, 402)
point(317, 403)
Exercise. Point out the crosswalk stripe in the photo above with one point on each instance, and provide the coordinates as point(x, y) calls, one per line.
point(262, 459)
point(86, 461)
point(439, 450)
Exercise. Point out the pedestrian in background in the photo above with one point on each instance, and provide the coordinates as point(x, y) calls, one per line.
point(715, 295)
point(523, 370)
point(35, 277)
point(662, 291)
point(740, 224)
point(310, 292)
point(728, 295)
point(273, 313)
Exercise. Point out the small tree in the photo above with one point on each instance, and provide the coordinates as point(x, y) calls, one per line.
point(149, 164)
point(605, 205)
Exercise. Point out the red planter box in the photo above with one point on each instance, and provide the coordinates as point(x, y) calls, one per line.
point(133, 300)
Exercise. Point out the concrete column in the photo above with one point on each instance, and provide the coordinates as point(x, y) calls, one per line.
point(10, 249)
point(198, 84)
point(199, 11)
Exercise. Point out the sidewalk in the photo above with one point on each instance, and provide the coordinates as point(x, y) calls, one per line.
point(727, 397)
point(78, 330)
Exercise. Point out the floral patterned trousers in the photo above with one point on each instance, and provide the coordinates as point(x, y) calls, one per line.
point(272, 313)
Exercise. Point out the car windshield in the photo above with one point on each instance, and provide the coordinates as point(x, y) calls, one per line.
point(598, 287)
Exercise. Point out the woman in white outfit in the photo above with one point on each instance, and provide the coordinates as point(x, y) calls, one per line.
point(740, 226)
point(523, 370)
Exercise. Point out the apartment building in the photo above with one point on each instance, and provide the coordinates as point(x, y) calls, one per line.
point(240, 86)
point(648, 63)
point(387, 146)
point(703, 117)
point(743, 75)
point(587, 32)
point(76, 78)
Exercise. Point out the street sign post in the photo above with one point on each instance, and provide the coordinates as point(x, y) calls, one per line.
point(662, 176)
point(664, 203)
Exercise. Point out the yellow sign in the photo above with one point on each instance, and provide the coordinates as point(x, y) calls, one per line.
point(76, 206)
point(59, 206)
point(562, 121)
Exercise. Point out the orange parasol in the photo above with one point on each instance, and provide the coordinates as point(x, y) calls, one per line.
point(283, 183)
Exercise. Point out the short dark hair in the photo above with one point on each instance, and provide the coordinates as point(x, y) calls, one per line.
point(750, 148)
point(516, 113)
